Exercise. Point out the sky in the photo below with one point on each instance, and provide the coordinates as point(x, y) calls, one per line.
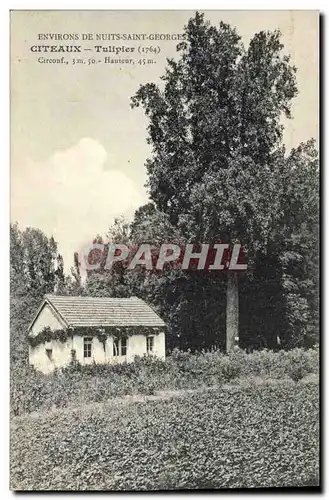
point(77, 148)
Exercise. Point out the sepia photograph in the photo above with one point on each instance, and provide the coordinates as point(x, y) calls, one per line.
point(164, 250)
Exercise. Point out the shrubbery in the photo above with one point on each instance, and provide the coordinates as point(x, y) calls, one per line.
point(265, 436)
point(32, 391)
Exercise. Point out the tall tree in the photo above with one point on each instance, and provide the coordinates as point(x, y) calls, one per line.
point(215, 131)
point(296, 243)
point(113, 282)
point(35, 269)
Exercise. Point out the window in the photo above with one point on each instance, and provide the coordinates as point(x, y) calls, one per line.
point(87, 343)
point(149, 344)
point(120, 347)
point(123, 346)
point(49, 353)
point(115, 347)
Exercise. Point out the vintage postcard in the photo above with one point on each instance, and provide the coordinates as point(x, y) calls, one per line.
point(164, 243)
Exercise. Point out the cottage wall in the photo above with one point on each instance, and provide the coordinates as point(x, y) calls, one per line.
point(62, 351)
point(45, 319)
point(61, 355)
point(137, 346)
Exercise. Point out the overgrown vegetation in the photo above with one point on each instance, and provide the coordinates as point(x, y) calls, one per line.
point(264, 436)
point(34, 391)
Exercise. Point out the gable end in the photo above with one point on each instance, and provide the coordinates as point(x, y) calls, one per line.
point(52, 318)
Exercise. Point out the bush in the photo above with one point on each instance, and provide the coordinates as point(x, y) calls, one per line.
point(33, 391)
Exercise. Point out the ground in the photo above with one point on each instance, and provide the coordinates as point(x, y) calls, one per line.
point(237, 435)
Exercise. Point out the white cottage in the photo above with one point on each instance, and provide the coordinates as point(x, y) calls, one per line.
point(93, 330)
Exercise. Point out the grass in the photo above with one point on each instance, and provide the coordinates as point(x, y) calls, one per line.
point(228, 437)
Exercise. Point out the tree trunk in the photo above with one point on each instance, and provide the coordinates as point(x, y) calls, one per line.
point(232, 312)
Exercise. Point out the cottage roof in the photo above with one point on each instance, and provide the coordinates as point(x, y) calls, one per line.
point(101, 311)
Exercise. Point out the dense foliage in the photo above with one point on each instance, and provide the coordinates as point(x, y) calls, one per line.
point(75, 385)
point(265, 436)
point(36, 268)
